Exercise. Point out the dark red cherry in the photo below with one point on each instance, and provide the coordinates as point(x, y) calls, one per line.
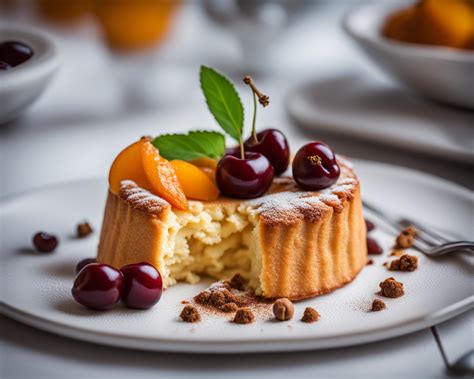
point(81, 264)
point(273, 144)
point(5, 66)
point(142, 285)
point(44, 242)
point(15, 52)
point(98, 286)
point(315, 166)
point(244, 178)
point(373, 247)
point(233, 150)
point(369, 225)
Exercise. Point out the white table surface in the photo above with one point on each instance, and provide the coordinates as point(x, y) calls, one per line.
point(90, 112)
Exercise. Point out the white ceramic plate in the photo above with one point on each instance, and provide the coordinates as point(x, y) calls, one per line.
point(36, 287)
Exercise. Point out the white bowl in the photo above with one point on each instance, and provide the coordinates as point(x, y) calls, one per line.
point(440, 73)
point(22, 85)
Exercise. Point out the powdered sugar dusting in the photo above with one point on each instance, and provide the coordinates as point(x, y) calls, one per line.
point(141, 199)
point(286, 204)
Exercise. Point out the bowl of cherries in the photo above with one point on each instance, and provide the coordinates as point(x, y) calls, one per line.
point(28, 61)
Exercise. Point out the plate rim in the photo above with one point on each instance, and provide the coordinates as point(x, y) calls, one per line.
point(251, 345)
point(229, 347)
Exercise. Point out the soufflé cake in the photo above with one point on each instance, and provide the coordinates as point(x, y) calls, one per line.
point(191, 208)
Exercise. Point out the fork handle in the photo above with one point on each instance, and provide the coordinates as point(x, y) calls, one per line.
point(455, 246)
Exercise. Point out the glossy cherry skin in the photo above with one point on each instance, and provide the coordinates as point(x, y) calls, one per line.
point(373, 247)
point(5, 66)
point(81, 264)
point(98, 286)
point(15, 52)
point(369, 225)
point(44, 242)
point(315, 166)
point(233, 150)
point(142, 287)
point(244, 178)
point(273, 144)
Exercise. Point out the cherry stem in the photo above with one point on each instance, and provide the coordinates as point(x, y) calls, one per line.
point(242, 152)
point(254, 129)
point(264, 100)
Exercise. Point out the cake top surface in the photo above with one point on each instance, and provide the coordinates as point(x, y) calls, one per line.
point(284, 203)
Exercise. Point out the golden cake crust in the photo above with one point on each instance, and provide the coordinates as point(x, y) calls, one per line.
point(310, 242)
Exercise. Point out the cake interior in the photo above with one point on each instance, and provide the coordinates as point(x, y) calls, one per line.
point(212, 239)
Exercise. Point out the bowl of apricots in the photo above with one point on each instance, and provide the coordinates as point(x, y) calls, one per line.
point(426, 45)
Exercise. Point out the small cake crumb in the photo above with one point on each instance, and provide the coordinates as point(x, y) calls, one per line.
point(244, 316)
point(238, 282)
point(217, 299)
point(84, 229)
point(190, 314)
point(370, 262)
point(283, 309)
point(404, 263)
point(229, 307)
point(202, 297)
point(310, 315)
point(391, 288)
point(406, 238)
point(378, 305)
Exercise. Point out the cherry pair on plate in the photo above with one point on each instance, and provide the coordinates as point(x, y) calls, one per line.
point(100, 286)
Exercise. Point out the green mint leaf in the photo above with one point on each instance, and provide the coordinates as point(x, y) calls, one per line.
point(223, 101)
point(196, 144)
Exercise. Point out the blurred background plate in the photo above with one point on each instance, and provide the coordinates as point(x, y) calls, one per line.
point(443, 73)
point(371, 108)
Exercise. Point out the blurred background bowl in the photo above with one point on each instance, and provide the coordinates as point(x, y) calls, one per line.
point(439, 73)
point(23, 84)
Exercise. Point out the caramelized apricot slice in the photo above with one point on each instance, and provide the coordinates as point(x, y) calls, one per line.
point(205, 162)
point(196, 184)
point(211, 173)
point(128, 166)
point(162, 176)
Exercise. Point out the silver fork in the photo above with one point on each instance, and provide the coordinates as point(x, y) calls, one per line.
point(427, 241)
